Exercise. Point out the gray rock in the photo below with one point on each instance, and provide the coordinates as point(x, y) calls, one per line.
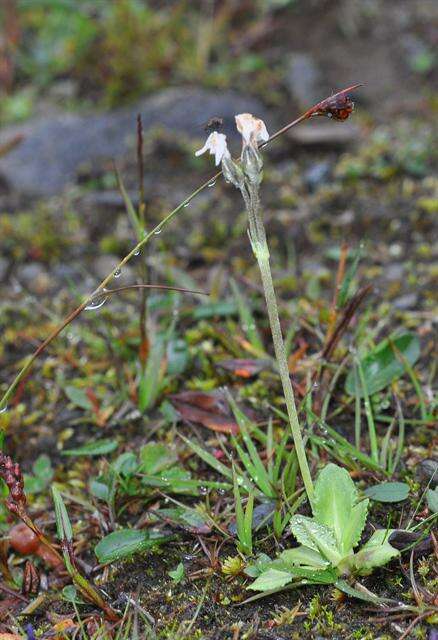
point(408, 301)
point(322, 132)
point(317, 174)
point(54, 147)
point(35, 278)
point(303, 79)
point(427, 471)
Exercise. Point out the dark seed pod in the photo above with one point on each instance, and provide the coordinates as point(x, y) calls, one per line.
point(11, 474)
point(31, 580)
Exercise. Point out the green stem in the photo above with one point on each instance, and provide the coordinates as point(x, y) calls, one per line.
point(261, 252)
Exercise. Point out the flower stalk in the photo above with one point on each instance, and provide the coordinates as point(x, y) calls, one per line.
point(249, 186)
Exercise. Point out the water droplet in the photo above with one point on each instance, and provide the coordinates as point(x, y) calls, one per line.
point(117, 273)
point(221, 492)
point(158, 231)
point(137, 252)
point(212, 183)
point(203, 491)
point(3, 410)
point(315, 385)
point(186, 204)
point(97, 302)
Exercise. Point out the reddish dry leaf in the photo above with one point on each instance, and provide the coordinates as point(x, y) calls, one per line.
point(214, 401)
point(244, 368)
point(213, 421)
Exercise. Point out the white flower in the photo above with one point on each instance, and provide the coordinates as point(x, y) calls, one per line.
point(253, 130)
point(216, 144)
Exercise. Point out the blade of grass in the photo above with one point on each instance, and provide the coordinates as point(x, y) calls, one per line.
point(369, 414)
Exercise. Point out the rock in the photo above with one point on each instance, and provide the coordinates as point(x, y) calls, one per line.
point(317, 174)
point(304, 79)
point(35, 278)
point(325, 134)
point(55, 147)
point(395, 271)
point(408, 301)
point(427, 471)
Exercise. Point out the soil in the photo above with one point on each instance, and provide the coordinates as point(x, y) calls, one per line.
point(376, 189)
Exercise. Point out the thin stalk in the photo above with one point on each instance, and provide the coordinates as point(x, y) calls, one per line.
point(261, 252)
point(145, 271)
point(369, 414)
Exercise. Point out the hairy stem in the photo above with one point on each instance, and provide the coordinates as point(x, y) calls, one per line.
point(261, 252)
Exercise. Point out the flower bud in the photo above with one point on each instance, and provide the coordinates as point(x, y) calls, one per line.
point(232, 172)
point(252, 163)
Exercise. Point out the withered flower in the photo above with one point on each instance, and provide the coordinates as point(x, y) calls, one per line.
point(338, 106)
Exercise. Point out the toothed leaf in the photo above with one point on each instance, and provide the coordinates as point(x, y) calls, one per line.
point(375, 553)
point(316, 536)
point(336, 505)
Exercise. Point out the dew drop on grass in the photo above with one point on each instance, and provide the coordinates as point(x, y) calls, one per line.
point(203, 491)
point(117, 273)
point(157, 232)
point(221, 492)
point(97, 302)
point(186, 204)
point(3, 410)
point(212, 183)
point(137, 252)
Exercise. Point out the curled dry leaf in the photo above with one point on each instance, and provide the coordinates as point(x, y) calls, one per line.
point(213, 421)
point(244, 368)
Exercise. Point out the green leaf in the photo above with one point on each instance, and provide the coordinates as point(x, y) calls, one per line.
point(189, 518)
point(99, 489)
point(177, 574)
point(125, 543)
point(78, 397)
point(375, 553)
point(96, 448)
point(247, 319)
point(42, 467)
point(177, 356)
point(336, 506)
point(383, 365)
point(43, 471)
point(303, 556)
point(388, 492)
point(258, 566)
point(151, 377)
point(271, 579)
point(155, 458)
point(343, 586)
point(70, 594)
point(63, 524)
point(316, 536)
point(432, 499)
